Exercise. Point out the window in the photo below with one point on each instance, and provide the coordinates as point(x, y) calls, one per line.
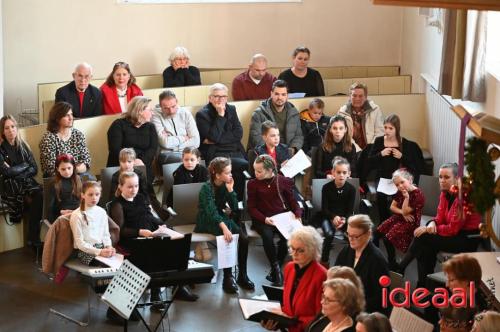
point(493, 44)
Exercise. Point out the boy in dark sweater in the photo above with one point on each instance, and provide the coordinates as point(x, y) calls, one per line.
point(314, 124)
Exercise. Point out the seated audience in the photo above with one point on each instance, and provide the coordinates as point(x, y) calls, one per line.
point(454, 319)
point(85, 99)
point(134, 130)
point(62, 138)
point(406, 206)
point(487, 321)
point(221, 133)
point(337, 204)
point(314, 124)
point(255, 83)
point(191, 171)
point(20, 191)
point(449, 231)
point(269, 194)
point(119, 89)
point(391, 152)
point(304, 277)
point(218, 215)
point(365, 258)
point(374, 322)
point(337, 142)
point(364, 117)
point(175, 127)
point(300, 77)
point(66, 191)
point(180, 72)
point(278, 110)
point(127, 159)
point(340, 304)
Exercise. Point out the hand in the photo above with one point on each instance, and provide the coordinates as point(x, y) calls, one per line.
point(145, 233)
point(81, 168)
point(270, 325)
point(230, 185)
point(269, 221)
point(386, 152)
point(298, 218)
point(207, 141)
point(107, 252)
point(405, 193)
point(138, 162)
point(176, 65)
point(330, 176)
point(221, 110)
point(419, 231)
point(284, 163)
point(408, 217)
point(396, 153)
point(431, 228)
point(165, 133)
point(228, 236)
point(338, 222)
point(63, 212)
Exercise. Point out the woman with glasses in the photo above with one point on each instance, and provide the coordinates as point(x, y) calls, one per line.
point(304, 277)
point(180, 72)
point(119, 89)
point(366, 259)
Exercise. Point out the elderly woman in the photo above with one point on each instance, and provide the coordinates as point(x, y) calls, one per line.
point(488, 321)
point(375, 322)
point(180, 72)
point(134, 130)
point(304, 277)
point(456, 319)
point(300, 77)
point(365, 258)
point(18, 169)
point(340, 303)
point(118, 89)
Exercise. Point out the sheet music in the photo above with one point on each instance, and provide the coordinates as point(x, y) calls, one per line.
point(299, 162)
point(250, 307)
point(295, 95)
point(386, 186)
point(403, 320)
point(286, 223)
point(226, 251)
point(114, 261)
point(165, 231)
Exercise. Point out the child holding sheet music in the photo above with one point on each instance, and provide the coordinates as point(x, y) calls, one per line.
point(89, 225)
point(270, 194)
point(218, 215)
point(272, 146)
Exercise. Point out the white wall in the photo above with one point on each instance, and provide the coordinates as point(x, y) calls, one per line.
point(1, 61)
point(44, 39)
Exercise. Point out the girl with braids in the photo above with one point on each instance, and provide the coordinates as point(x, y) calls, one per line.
point(217, 214)
point(89, 225)
point(269, 194)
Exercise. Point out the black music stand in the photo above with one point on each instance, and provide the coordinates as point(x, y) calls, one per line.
point(157, 257)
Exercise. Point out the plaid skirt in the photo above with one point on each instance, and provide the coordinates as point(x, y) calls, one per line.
point(87, 258)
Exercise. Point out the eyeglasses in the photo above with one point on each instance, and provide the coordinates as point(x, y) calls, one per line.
point(293, 250)
point(354, 237)
point(219, 97)
point(327, 300)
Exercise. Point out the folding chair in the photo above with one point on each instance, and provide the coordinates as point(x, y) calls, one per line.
point(168, 178)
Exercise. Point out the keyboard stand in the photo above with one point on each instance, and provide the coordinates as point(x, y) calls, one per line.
point(74, 320)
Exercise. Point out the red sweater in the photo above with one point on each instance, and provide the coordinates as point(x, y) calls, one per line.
point(244, 88)
point(448, 222)
point(110, 102)
point(306, 301)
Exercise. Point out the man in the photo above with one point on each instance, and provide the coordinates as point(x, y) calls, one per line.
point(175, 127)
point(278, 110)
point(85, 99)
point(254, 83)
point(364, 117)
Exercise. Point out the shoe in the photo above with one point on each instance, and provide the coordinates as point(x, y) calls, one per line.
point(245, 282)
point(276, 277)
point(229, 286)
point(184, 294)
point(157, 305)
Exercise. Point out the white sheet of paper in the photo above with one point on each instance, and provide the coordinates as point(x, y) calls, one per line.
point(165, 231)
point(226, 252)
point(286, 223)
point(114, 261)
point(251, 306)
point(386, 186)
point(295, 95)
point(299, 162)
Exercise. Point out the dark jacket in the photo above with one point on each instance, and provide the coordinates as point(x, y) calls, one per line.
point(311, 84)
point(92, 100)
point(337, 201)
point(294, 136)
point(143, 185)
point(323, 163)
point(282, 154)
point(181, 77)
point(226, 132)
point(320, 323)
point(313, 131)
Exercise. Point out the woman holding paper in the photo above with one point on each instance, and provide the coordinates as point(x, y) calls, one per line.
point(391, 152)
point(270, 194)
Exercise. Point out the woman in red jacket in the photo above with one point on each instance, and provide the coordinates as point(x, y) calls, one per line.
point(119, 89)
point(304, 277)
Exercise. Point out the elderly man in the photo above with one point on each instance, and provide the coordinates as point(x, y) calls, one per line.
point(255, 83)
point(85, 99)
point(278, 110)
point(175, 127)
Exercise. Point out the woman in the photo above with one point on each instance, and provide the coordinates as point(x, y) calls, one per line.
point(488, 321)
point(375, 322)
point(19, 188)
point(304, 278)
point(391, 152)
point(456, 319)
point(134, 130)
point(300, 78)
point(366, 259)
point(340, 303)
point(180, 73)
point(118, 89)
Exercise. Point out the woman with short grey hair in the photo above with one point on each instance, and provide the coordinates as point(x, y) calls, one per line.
point(180, 72)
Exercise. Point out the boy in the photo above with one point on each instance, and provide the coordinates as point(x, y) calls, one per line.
point(314, 124)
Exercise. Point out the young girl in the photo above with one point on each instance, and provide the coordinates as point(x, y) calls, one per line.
point(337, 142)
point(65, 193)
point(217, 209)
point(397, 231)
point(127, 159)
point(191, 171)
point(89, 225)
point(272, 146)
point(337, 205)
point(269, 194)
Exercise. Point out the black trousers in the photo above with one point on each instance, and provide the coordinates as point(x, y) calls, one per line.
point(383, 204)
point(329, 235)
point(242, 252)
point(274, 255)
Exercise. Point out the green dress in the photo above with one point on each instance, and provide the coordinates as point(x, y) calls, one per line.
point(211, 203)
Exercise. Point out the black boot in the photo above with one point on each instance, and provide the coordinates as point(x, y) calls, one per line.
point(184, 294)
point(244, 281)
point(275, 276)
point(228, 284)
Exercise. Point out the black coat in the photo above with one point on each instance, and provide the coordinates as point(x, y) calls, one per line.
point(181, 77)
point(314, 132)
point(371, 266)
point(92, 100)
point(323, 162)
point(282, 154)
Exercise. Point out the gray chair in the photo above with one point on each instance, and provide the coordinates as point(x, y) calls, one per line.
point(106, 175)
point(47, 183)
point(430, 187)
point(168, 178)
